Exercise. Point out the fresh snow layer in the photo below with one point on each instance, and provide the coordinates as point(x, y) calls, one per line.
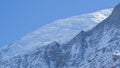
point(60, 31)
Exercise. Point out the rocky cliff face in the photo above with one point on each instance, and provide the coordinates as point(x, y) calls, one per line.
point(89, 49)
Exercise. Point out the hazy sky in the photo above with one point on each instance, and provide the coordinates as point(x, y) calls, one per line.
point(19, 17)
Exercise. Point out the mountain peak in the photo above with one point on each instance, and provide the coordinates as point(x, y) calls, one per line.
point(112, 20)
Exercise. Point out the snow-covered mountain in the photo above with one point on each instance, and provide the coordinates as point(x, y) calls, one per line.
point(104, 43)
point(60, 31)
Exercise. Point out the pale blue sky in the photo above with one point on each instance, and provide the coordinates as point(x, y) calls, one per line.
point(19, 17)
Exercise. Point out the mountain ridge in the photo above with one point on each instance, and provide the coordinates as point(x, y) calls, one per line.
point(96, 47)
point(71, 25)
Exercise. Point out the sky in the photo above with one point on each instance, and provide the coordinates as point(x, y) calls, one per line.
point(20, 17)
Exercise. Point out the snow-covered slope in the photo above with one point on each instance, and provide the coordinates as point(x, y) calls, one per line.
point(97, 46)
point(91, 49)
point(104, 43)
point(60, 31)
